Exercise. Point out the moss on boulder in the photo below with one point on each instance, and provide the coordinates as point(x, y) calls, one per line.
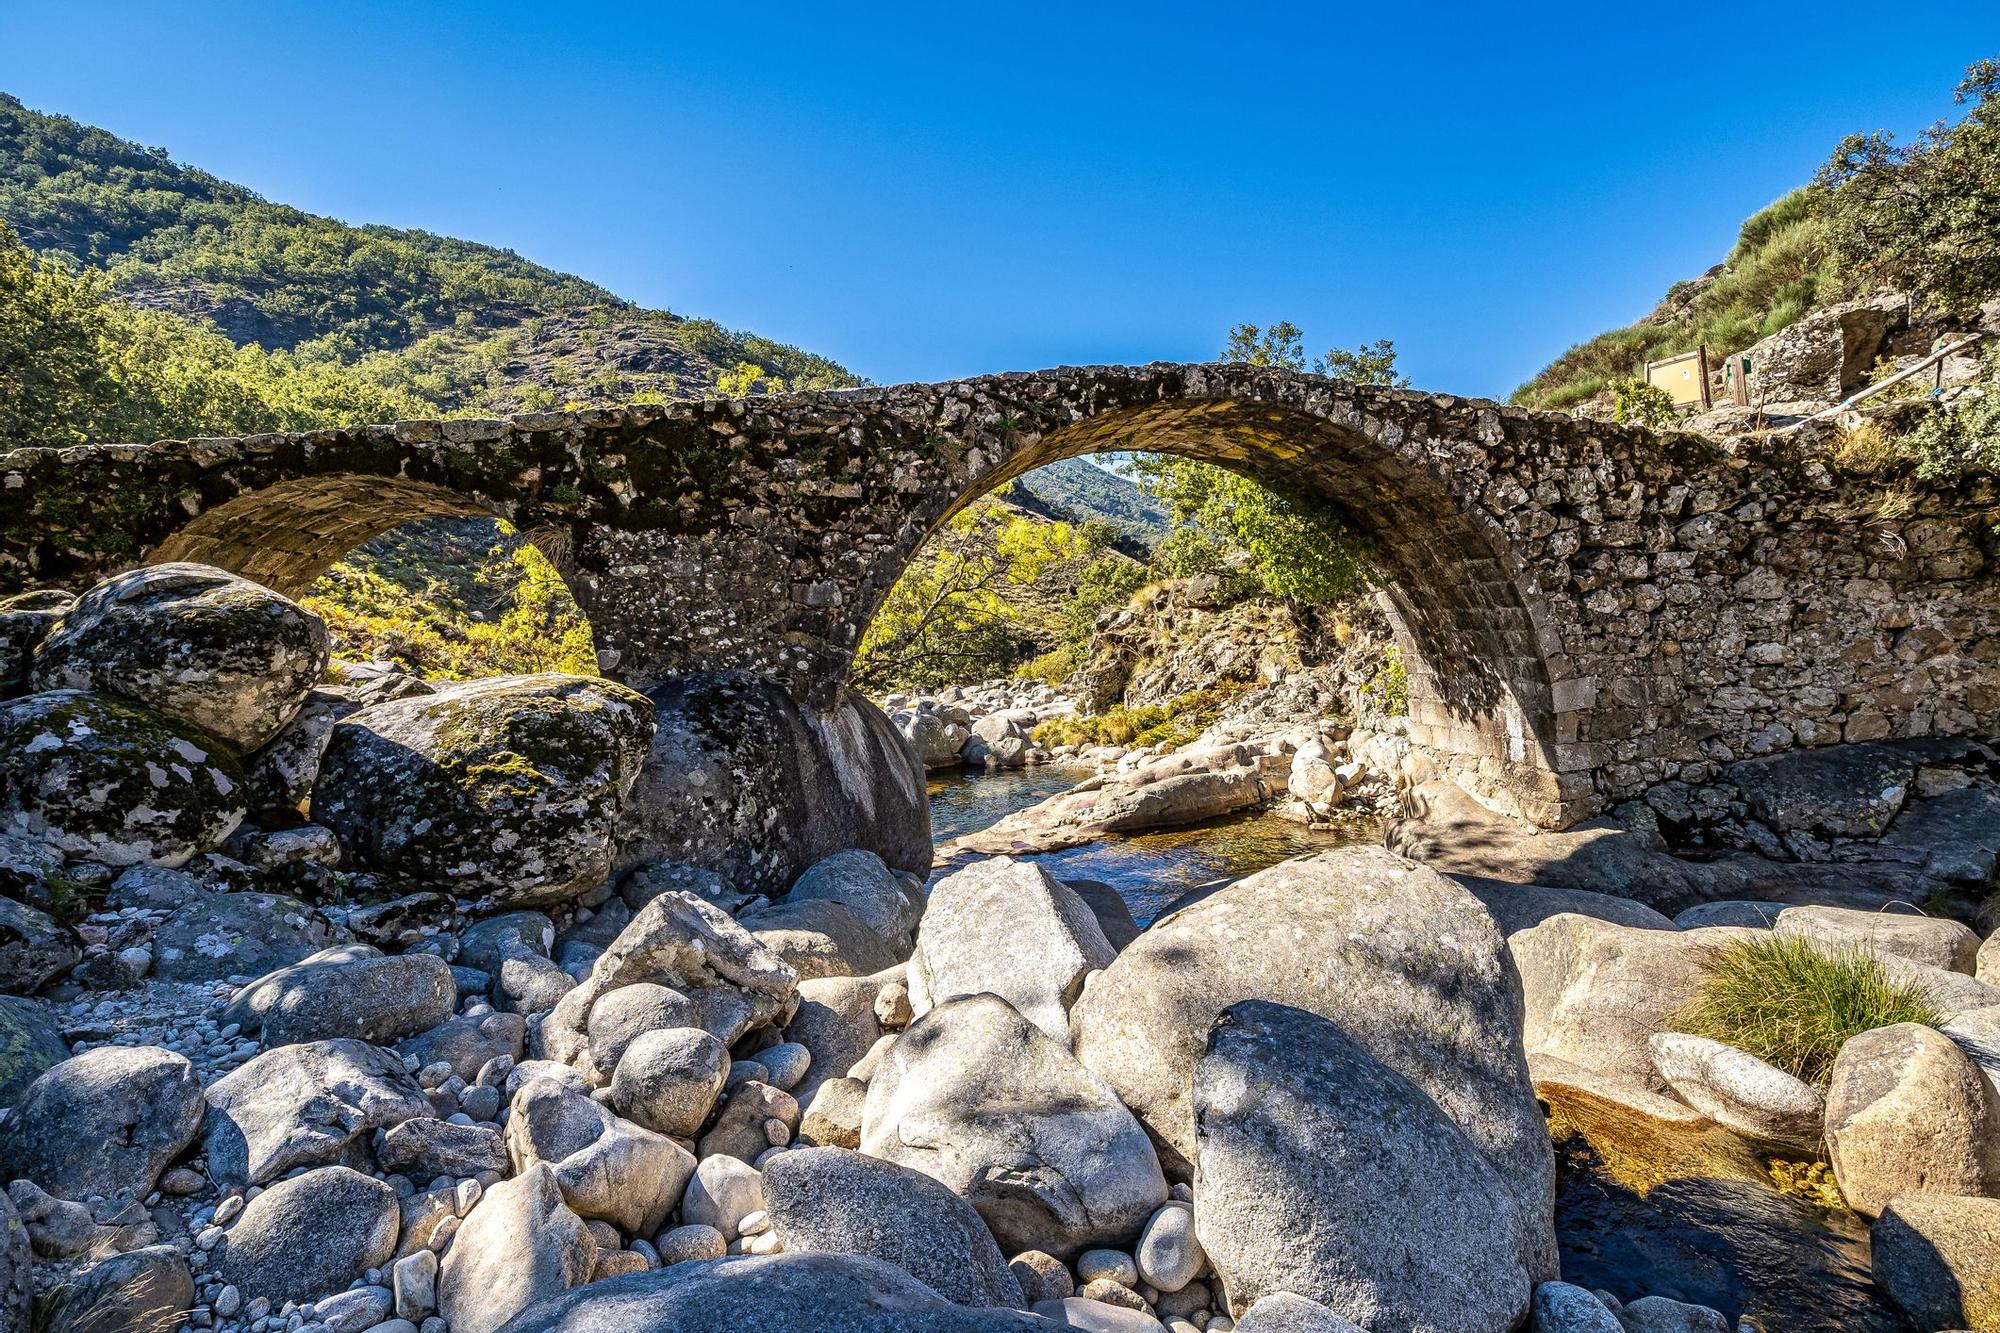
point(194, 642)
point(105, 780)
point(507, 789)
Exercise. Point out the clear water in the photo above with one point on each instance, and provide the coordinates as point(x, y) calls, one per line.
point(1149, 870)
point(1635, 1215)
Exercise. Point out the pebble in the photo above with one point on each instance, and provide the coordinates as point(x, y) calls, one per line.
point(228, 1301)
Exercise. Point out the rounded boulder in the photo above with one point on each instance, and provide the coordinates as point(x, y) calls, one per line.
point(508, 788)
point(105, 780)
point(193, 642)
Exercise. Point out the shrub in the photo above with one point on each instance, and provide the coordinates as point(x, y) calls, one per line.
point(1793, 1002)
point(1641, 404)
point(1175, 722)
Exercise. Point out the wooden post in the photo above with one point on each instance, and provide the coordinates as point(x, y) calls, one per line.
point(1701, 368)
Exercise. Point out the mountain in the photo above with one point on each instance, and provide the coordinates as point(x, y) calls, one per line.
point(463, 326)
point(1078, 490)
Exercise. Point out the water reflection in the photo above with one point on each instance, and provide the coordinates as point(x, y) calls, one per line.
point(1149, 870)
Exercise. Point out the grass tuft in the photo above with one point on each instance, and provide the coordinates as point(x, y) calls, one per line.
point(1793, 1003)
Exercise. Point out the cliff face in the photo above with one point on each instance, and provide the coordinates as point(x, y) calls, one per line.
point(1282, 661)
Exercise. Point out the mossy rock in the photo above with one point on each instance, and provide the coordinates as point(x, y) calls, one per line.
point(104, 780)
point(506, 789)
point(30, 1044)
point(193, 642)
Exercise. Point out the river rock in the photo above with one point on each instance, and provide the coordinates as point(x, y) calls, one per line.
point(723, 1191)
point(1662, 1314)
point(105, 1122)
point(1114, 916)
point(1559, 1307)
point(668, 1079)
point(302, 1106)
point(680, 942)
point(506, 788)
point(820, 938)
point(1596, 992)
point(1908, 1113)
point(467, 1042)
point(25, 620)
point(1938, 1258)
point(606, 1166)
point(519, 1245)
point(17, 1271)
point(1169, 1257)
point(1184, 787)
point(1516, 907)
point(108, 781)
point(740, 1128)
point(195, 643)
point(155, 887)
point(1757, 1100)
point(1848, 791)
point(1959, 831)
point(1410, 965)
point(513, 949)
point(1011, 929)
point(836, 1021)
point(311, 1235)
point(936, 740)
point(1284, 1312)
point(281, 774)
point(859, 881)
point(1934, 941)
point(350, 990)
point(35, 948)
point(1752, 915)
point(833, 1201)
point(833, 1117)
point(620, 1017)
point(743, 781)
point(827, 1293)
point(426, 1148)
point(1324, 1172)
point(986, 1102)
point(238, 934)
point(144, 1290)
point(31, 1044)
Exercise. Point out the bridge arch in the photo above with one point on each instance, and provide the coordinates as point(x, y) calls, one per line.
point(1468, 618)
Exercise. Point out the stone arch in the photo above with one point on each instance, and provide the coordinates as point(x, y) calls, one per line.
point(1470, 623)
point(287, 534)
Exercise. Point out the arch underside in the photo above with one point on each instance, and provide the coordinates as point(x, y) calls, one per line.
point(288, 534)
point(1481, 699)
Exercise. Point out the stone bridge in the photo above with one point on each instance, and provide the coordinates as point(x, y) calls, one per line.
point(1584, 609)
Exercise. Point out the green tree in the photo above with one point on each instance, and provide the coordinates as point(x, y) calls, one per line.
point(1260, 536)
point(1281, 345)
point(1925, 215)
point(994, 587)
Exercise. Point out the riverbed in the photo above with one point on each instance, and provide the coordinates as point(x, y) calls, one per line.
point(1148, 870)
point(1635, 1214)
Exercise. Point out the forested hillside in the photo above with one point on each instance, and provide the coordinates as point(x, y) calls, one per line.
point(442, 323)
point(1921, 218)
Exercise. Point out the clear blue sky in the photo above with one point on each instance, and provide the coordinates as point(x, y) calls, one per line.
point(937, 190)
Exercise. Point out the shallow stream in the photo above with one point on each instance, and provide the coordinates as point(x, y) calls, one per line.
point(1636, 1213)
